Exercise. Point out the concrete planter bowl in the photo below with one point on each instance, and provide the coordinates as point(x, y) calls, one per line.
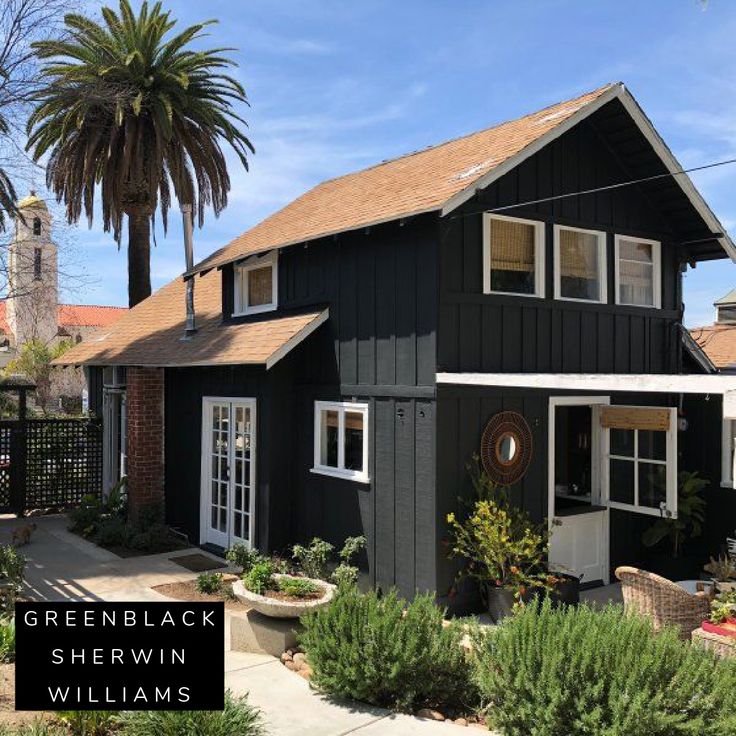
point(276, 608)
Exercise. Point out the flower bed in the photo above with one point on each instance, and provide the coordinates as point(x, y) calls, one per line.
point(278, 604)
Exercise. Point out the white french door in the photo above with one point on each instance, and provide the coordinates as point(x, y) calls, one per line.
point(227, 512)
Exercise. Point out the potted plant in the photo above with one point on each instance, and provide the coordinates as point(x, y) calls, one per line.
point(688, 525)
point(723, 572)
point(502, 548)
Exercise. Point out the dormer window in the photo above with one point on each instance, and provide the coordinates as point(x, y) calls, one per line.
point(256, 285)
point(36, 225)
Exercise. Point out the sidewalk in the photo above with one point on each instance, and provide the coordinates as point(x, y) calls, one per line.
point(62, 566)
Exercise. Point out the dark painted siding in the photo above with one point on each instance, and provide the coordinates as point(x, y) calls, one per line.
point(462, 413)
point(497, 333)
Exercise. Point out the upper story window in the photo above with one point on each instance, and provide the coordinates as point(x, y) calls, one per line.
point(580, 264)
point(36, 225)
point(37, 256)
point(638, 272)
point(341, 439)
point(256, 285)
point(513, 256)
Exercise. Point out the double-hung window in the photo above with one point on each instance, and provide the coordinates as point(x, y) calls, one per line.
point(580, 264)
point(637, 272)
point(256, 285)
point(341, 439)
point(513, 256)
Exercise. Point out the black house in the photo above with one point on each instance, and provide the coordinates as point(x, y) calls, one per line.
point(515, 293)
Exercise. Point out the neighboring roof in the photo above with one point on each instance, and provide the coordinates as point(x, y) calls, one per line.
point(3, 321)
point(729, 298)
point(441, 178)
point(89, 315)
point(696, 352)
point(151, 332)
point(718, 342)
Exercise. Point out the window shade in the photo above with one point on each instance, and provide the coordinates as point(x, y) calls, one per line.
point(260, 286)
point(512, 246)
point(578, 255)
point(635, 273)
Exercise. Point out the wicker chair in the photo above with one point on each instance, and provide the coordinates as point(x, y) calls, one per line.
point(665, 602)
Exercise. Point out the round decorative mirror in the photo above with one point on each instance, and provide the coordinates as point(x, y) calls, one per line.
point(507, 445)
point(506, 448)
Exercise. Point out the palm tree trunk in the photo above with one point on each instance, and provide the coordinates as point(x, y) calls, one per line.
point(139, 256)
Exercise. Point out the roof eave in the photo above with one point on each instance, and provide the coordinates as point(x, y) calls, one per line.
point(617, 91)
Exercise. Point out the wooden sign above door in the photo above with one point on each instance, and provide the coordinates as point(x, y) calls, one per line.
point(655, 419)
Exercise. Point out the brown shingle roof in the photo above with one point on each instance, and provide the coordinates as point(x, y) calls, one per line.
point(718, 342)
point(419, 182)
point(150, 333)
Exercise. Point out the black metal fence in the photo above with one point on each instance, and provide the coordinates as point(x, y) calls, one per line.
point(49, 463)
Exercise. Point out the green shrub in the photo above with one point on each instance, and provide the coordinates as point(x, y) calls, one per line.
point(209, 582)
point(237, 719)
point(313, 559)
point(88, 722)
point(298, 587)
point(364, 647)
point(112, 532)
point(260, 577)
point(12, 565)
point(574, 671)
point(346, 573)
point(242, 556)
point(86, 516)
point(7, 640)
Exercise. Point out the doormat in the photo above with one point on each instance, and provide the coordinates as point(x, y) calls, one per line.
point(198, 562)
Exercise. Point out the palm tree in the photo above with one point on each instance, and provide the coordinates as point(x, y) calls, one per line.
point(133, 111)
point(8, 203)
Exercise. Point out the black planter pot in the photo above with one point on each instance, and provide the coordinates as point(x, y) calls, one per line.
point(500, 603)
point(566, 591)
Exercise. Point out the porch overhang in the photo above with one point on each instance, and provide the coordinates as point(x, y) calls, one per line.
point(719, 385)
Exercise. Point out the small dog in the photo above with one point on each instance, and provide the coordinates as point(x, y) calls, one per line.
point(22, 534)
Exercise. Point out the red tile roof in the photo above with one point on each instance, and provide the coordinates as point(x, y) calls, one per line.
point(89, 315)
point(718, 342)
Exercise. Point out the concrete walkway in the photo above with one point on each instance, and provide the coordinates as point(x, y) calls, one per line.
point(62, 566)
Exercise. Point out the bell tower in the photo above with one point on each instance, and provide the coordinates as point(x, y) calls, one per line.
point(33, 298)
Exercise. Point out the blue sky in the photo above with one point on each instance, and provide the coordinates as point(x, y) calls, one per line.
point(335, 86)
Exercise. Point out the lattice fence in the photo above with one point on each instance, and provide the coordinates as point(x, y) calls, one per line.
point(63, 461)
point(6, 429)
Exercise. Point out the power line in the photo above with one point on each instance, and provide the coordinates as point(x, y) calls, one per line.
point(595, 190)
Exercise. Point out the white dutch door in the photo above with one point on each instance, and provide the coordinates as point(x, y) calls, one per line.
point(228, 471)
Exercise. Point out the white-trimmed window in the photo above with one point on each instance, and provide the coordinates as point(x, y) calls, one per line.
point(341, 439)
point(580, 264)
point(642, 467)
point(638, 272)
point(256, 285)
point(728, 454)
point(513, 256)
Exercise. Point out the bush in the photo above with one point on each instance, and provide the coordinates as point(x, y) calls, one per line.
point(86, 516)
point(209, 582)
point(313, 559)
point(346, 573)
point(112, 532)
point(237, 719)
point(260, 577)
point(574, 671)
point(365, 647)
point(12, 565)
point(242, 557)
point(37, 727)
point(7, 640)
point(89, 722)
point(298, 587)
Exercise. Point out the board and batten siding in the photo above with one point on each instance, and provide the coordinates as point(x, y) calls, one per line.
point(500, 333)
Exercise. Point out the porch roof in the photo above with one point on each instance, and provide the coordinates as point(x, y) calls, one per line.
point(150, 333)
point(723, 385)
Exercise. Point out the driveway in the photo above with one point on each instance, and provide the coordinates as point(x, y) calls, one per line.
point(62, 566)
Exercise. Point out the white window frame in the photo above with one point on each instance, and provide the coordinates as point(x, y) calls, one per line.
point(240, 284)
point(538, 255)
point(728, 454)
point(656, 270)
point(670, 463)
point(340, 472)
point(602, 265)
